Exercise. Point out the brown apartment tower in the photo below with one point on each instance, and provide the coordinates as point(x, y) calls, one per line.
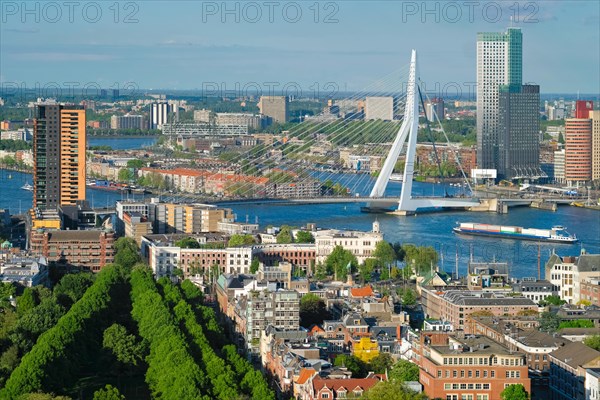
point(59, 146)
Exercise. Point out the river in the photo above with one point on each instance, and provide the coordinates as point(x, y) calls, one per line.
point(424, 229)
point(122, 143)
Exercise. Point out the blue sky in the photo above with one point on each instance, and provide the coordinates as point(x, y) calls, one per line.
point(188, 45)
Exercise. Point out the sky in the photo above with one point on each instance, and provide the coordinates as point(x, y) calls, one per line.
point(324, 46)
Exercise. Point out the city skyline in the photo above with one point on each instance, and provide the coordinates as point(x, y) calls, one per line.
point(193, 47)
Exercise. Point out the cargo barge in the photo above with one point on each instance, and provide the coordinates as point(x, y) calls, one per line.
point(558, 234)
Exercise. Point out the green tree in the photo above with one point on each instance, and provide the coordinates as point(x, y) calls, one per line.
point(366, 269)
point(409, 297)
point(126, 175)
point(549, 322)
point(238, 240)
point(254, 265)
point(123, 345)
point(304, 237)
point(381, 364)
point(338, 261)
point(27, 301)
point(384, 254)
point(420, 258)
point(514, 392)
point(136, 163)
point(188, 243)
point(404, 371)
point(354, 364)
point(128, 253)
point(72, 287)
point(285, 235)
point(313, 310)
point(7, 290)
point(108, 393)
point(391, 390)
point(553, 300)
point(593, 342)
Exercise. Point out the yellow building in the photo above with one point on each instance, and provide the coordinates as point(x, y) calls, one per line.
point(366, 349)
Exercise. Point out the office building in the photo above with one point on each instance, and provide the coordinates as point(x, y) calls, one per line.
point(595, 117)
point(518, 132)
point(458, 367)
point(128, 122)
point(436, 104)
point(506, 110)
point(74, 250)
point(275, 108)
point(379, 108)
point(583, 109)
point(159, 113)
point(578, 151)
point(559, 166)
point(59, 145)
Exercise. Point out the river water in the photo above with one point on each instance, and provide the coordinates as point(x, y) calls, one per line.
point(434, 229)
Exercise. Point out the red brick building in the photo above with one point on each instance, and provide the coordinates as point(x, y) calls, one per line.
point(458, 367)
point(90, 249)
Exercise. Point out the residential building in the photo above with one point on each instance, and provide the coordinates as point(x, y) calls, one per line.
point(578, 151)
point(568, 370)
point(589, 290)
point(568, 272)
point(521, 334)
point(136, 226)
point(456, 306)
point(595, 117)
point(26, 271)
point(534, 289)
point(59, 145)
point(457, 367)
point(381, 108)
point(280, 309)
point(250, 120)
point(128, 122)
point(316, 387)
point(202, 116)
point(159, 113)
point(275, 108)
point(90, 249)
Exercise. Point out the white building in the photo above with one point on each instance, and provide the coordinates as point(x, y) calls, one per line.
point(568, 272)
point(379, 108)
point(559, 166)
point(159, 113)
point(361, 244)
point(592, 383)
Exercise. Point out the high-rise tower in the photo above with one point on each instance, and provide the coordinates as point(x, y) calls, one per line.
point(507, 114)
point(59, 146)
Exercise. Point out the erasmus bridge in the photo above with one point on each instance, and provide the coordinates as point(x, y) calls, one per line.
point(278, 161)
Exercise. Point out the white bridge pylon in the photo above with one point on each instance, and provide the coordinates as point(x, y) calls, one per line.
point(409, 128)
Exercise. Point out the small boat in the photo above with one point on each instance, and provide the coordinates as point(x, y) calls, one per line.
point(28, 187)
point(557, 234)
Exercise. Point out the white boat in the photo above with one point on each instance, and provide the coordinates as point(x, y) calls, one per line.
point(396, 177)
point(28, 187)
